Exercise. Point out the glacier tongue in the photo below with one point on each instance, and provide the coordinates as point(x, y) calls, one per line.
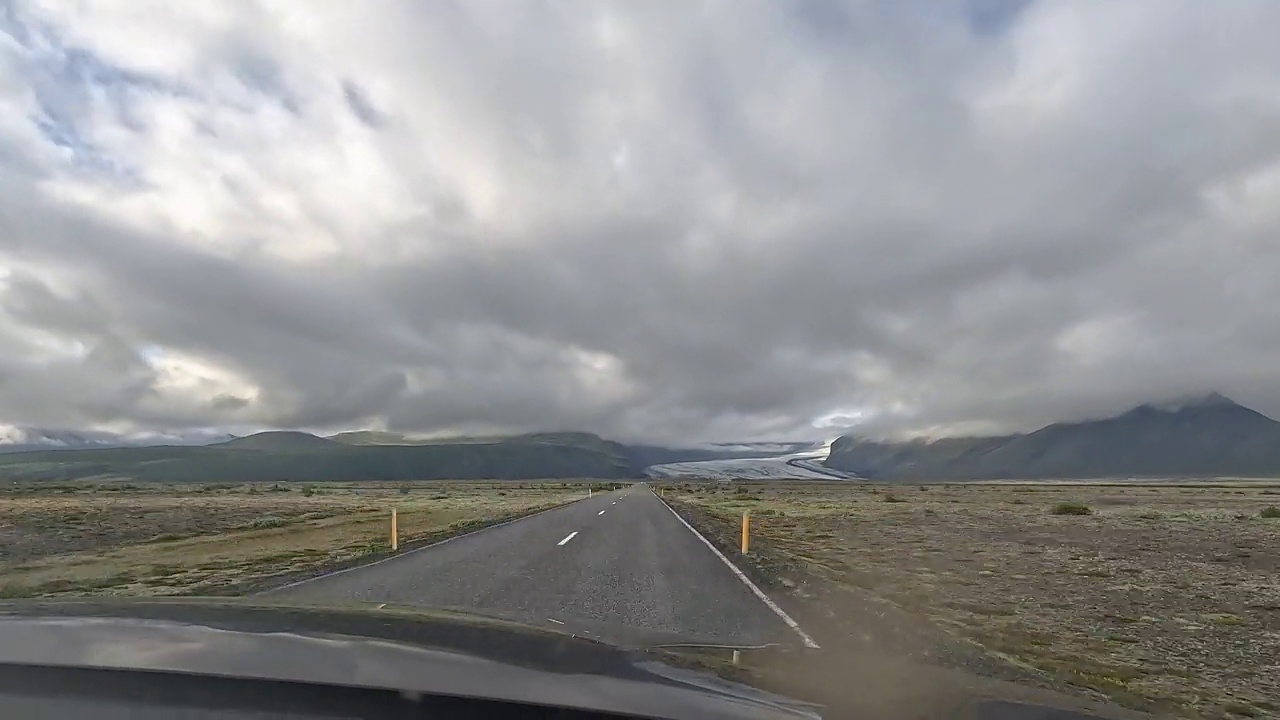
point(805, 465)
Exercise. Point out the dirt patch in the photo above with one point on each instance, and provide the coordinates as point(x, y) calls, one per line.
point(229, 539)
point(1159, 598)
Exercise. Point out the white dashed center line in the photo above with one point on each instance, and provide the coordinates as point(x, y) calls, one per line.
point(568, 538)
point(600, 513)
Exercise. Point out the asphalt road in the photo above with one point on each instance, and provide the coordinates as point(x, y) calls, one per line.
point(619, 565)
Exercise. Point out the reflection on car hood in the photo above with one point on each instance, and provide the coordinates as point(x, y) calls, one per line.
point(430, 652)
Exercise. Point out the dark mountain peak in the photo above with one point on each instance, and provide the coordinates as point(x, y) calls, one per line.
point(1208, 409)
point(1206, 435)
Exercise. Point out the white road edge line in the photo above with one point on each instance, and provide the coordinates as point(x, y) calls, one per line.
point(567, 538)
point(791, 623)
point(415, 550)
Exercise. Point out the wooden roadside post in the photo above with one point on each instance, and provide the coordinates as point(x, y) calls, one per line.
point(746, 531)
point(395, 532)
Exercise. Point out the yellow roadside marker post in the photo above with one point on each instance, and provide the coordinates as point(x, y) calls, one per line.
point(746, 531)
point(395, 533)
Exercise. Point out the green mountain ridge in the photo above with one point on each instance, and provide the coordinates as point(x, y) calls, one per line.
point(285, 455)
point(1200, 437)
point(276, 457)
point(277, 440)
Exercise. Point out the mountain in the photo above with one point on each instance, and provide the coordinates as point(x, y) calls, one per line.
point(384, 437)
point(20, 439)
point(371, 437)
point(1207, 435)
point(27, 439)
point(638, 456)
point(284, 455)
point(357, 455)
point(278, 440)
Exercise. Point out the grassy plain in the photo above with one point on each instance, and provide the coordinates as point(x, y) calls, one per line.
point(183, 539)
point(1159, 597)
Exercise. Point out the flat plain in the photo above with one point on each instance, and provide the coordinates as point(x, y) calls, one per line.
point(1164, 597)
point(59, 540)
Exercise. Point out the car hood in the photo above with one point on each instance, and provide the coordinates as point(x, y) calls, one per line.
point(391, 648)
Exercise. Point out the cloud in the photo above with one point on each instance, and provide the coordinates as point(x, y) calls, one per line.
point(662, 221)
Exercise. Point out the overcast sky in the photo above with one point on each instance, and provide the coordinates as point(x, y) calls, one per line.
point(652, 220)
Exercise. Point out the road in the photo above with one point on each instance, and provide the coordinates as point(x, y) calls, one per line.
point(619, 565)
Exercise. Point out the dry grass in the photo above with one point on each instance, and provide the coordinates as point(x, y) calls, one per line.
point(185, 539)
point(1160, 597)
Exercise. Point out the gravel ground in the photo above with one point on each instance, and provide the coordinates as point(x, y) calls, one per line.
point(155, 539)
point(1163, 598)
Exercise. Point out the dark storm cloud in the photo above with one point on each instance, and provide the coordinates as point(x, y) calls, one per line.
point(650, 221)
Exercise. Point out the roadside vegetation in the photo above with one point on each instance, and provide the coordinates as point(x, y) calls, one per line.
point(1160, 597)
point(221, 539)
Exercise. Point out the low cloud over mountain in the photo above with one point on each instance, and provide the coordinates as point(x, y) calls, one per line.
point(1190, 437)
